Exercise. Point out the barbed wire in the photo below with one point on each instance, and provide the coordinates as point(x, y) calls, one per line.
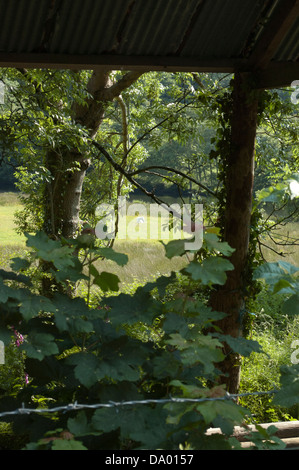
point(113, 404)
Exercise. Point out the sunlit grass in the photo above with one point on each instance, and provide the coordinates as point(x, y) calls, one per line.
point(8, 234)
point(281, 235)
point(146, 260)
point(146, 255)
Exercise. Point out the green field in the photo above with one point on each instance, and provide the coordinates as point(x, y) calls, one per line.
point(146, 257)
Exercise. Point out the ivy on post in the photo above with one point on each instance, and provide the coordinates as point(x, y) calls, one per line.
point(238, 191)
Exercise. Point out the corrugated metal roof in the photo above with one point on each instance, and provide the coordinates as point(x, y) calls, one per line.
point(219, 34)
point(289, 49)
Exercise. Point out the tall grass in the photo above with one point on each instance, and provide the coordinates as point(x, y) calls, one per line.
point(9, 204)
point(275, 332)
point(146, 260)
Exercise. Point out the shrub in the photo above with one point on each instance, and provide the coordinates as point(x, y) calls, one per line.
point(131, 347)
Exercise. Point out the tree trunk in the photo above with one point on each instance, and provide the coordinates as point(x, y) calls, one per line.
point(64, 192)
point(239, 183)
point(68, 167)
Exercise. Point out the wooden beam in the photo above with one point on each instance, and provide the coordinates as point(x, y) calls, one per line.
point(278, 74)
point(119, 62)
point(275, 31)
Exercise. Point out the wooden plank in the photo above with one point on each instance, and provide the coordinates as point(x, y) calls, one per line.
point(119, 62)
point(278, 74)
point(291, 443)
point(287, 431)
point(275, 31)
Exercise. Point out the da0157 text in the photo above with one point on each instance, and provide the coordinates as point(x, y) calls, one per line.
point(170, 459)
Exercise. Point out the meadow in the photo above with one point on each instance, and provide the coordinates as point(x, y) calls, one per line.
point(146, 256)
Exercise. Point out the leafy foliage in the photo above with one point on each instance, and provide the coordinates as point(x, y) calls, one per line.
point(282, 277)
point(75, 352)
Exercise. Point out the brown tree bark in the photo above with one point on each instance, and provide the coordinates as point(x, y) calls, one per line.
point(239, 185)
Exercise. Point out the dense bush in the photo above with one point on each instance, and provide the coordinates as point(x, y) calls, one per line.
point(129, 347)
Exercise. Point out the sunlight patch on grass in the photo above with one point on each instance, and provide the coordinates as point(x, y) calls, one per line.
point(8, 234)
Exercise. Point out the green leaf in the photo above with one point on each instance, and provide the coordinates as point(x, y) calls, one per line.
point(32, 305)
point(174, 248)
point(18, 264)
point(71, 272)
point(67, 444)
point(11, 276)
point(290, 268)
point(51, 250)
point(265, 438)
point(144, 424)
point(228, 414)
point(272, 194)
point(119, 258)
point(5, 335)
point(175, 323)
point(291, 305)
point(210, 271)
point(178, 341)
point(107, 282)
point(118, 369)
point(166, 365)
point(161, 284)
point(205, 355)
point(128, 309)
point(85, 368)
point(79, 425)
point(288, 395)
point(271, 272)
point(39, 345)
point(283, 285)
point(74, 306)
point(213, 243)
point(5, 292)
point(274, 272)
point(240, 345)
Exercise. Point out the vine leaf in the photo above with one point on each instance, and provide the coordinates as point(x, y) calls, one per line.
point(240, 345)
point(39, 345)
point(210, 271)
point(289, 379)
point(213, 243)
point(174, 248)
point(107, 281)
point(108, 253)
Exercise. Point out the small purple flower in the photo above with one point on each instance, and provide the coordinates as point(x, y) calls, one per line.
point(19, 339)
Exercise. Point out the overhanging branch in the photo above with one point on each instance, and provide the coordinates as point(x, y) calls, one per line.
point(177, 172)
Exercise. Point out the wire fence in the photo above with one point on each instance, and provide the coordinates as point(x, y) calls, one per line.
point(113, 404)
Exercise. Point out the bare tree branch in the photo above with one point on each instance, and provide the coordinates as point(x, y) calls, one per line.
point(129, 177)
point(178, 172)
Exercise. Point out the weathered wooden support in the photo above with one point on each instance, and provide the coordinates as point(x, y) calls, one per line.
point(238, 206)
point(287, 431)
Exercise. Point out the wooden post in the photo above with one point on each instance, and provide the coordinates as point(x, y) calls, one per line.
point(239, 185)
